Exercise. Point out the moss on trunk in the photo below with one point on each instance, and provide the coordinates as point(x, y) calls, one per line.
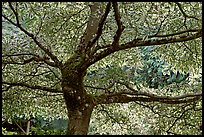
point(79, 104)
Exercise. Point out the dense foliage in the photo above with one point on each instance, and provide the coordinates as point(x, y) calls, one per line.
point(157, 54)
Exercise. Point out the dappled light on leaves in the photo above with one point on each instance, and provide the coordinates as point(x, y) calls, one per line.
point(102, 68)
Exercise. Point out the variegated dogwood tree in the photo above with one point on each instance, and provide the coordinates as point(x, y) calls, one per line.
point(49, 48)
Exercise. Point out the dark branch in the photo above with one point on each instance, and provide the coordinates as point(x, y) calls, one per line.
point(125, 97)
point(101, 23)
point(119, 24)
point(182, 114)
point(118, 33)
point(35, 58)
point(111, 117)
point(47, 51)
point(117, 15)
point(139, 42)
point(159, 28)
point(54, 74)
point(33, 87)
point(15, 13)
point(184, 14)
point(71, 16)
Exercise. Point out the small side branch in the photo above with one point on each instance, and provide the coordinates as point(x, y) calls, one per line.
point(182, 11)
point(18, 25)
point(178, 118)
point(35, 58)
point(33, 87)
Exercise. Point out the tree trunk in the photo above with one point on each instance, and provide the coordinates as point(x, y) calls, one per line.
point(79, 111)
point(78, 123)
point(79, 103)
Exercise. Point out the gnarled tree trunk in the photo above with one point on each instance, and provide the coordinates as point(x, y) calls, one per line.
point(79, 121)
point(79, 104)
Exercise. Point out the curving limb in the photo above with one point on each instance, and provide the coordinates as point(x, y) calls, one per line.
point(35, 58)
point(130, 94)
point(139, 42)
point(18, 25)
point(125, 97)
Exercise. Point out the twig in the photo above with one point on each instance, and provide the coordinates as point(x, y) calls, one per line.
point(20, 128)
point(47, 51)
point(184, 14)
point(33, 87)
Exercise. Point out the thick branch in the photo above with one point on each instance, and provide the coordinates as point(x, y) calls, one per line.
point(139, 42)
point(136, 95)
point(125, 97)
point(33, 87)
point(94, 29)
point(120, 26)
point(101, 23)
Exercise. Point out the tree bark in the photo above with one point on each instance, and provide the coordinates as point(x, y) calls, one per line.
point(79, 121)
point(79, 103)
point(79, 106)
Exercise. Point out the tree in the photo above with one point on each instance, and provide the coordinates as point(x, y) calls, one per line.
point(51, 46)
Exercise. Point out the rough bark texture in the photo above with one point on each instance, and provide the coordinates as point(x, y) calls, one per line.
point(79, 120)
point(79, 104)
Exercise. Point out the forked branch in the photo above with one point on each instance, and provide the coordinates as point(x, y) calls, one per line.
point(18, 25)
point(139, 42)
point(101, 23)
point(182, 11)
